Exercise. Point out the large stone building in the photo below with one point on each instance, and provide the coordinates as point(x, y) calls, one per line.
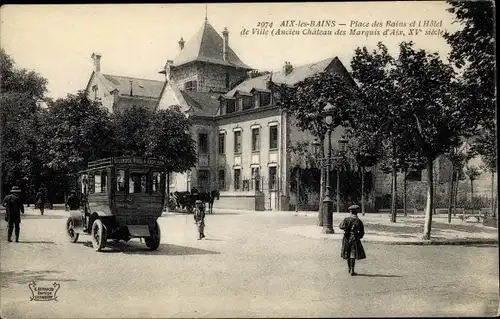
point(242, 136)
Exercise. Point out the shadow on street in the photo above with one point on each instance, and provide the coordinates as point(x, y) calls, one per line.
point(164, 249)
point(27, 276)
point(378, 275)
point(35, 242)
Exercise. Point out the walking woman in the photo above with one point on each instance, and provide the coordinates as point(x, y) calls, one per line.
point(40, 200)
point(352, 249)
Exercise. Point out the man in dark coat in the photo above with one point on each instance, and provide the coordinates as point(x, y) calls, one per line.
point(354, 230)
point(73, 203)
point(40, 200)
point(13, 209)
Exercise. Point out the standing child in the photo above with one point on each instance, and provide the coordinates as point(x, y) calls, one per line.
point(352, 249)
point(199, 218)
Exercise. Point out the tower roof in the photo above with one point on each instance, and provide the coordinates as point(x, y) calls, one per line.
point(207, 46)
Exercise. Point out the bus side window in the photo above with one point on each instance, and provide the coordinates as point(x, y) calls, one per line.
point(97, 182)
point(104, 181)
point(120, 180)
point(156, 182)
point(91, 183)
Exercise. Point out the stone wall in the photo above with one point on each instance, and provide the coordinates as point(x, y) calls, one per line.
point(210, 77)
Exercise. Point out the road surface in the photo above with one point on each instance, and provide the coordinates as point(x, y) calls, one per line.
point(248, 266)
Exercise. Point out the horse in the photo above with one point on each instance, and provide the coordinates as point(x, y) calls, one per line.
point(209, 197)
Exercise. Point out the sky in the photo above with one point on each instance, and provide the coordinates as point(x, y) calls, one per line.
point(136, 40)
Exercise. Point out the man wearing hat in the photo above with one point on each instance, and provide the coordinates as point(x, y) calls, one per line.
point(13, 209)
point(72, 203)
point(354, 230)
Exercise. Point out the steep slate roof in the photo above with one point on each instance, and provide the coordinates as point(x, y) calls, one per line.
point(207, 46)
point(140, 87)
point(202, 103)
point(298, 74)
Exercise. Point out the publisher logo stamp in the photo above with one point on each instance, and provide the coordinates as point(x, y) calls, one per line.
point(44, 293)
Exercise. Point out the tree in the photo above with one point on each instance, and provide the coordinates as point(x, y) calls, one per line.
point(457, 158)
point(306, 99)
point(132, 127)
point(20, 92)
point(377, 121)
point(162, 134)
point(169, 139)
point(473, 172)
point(366, 154)
point(77, 131)
point(434, 115)
point(473, 52)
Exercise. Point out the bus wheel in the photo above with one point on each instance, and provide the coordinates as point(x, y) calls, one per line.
point(73, 237)
point(153, 242)
point(99, 235)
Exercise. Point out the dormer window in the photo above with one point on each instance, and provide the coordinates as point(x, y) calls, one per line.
point(261, 97)
point(246, 102)
point(265, 98)
point(230, 106)
point(190, 85)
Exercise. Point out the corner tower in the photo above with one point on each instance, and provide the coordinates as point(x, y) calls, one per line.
point(206, 63)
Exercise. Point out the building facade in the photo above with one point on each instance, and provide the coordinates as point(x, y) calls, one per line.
point(121, 92)
point(242, 137)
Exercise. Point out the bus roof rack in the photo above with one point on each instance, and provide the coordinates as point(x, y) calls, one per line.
point(131, 160)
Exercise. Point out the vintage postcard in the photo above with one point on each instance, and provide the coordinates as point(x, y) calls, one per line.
point(240, 160)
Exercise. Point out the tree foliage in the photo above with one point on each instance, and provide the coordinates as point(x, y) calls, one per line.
point(77, 130)
point(20, 93)
point(307, 99)
point(49, 146)
point(170, 140)
point(473, 52)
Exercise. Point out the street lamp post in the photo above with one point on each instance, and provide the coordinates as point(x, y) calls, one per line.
point(326, 163)
point(327, 201)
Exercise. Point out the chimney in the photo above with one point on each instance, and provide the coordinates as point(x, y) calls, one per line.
point(97, 62)
point(181, 43)
point(225, 47)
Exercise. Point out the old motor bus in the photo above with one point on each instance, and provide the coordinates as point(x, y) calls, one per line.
point(122, 198)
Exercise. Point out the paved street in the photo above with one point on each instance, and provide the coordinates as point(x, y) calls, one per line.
point(249, 266)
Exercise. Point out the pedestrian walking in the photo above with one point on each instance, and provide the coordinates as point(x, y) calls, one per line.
point(13, 208)
point(199, 218)
point(40, 200)
point(352, 249)
point(72, 203)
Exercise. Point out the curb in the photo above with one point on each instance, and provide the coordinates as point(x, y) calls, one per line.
point(431, 242)
point(438, 242)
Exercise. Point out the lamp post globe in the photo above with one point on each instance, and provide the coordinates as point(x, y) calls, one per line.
point(328, 113)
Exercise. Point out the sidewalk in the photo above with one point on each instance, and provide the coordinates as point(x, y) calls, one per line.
point(406, 231)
